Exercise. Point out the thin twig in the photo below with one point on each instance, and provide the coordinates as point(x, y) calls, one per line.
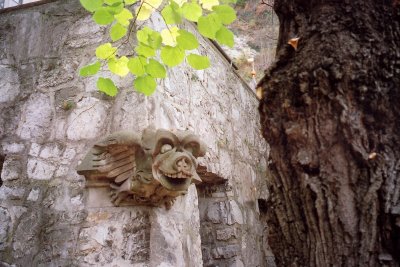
point(267, 4)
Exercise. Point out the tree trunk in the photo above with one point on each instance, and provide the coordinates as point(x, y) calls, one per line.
point(331, 114)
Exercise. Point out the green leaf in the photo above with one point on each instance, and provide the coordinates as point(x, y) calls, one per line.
point(147, 8)
point(90, 70)
point(144, 12)
point(91, 5)
point(145, 84)
point(226, 13)
point(119, 66)
point(169, 36)
point(198, 62)
point(124, 16)
point(107, 86)
point(112, 2)
point(186, 40)
point(130, 2)
point(172, 13)
point(180, 2)
point(149, 37)
point(155, 69)
point(116, 8)
point(172, 56)
point(143, 35)
point(192, 11)
point(145, 50)
point(225, 37)
point(105, 51)
point(209, 25)
point(209, 4)
point(102, 16)
point(136, 65)
point(117, 32)
point(155, 40)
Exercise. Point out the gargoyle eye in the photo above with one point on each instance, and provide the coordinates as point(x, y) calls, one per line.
point(165, 148)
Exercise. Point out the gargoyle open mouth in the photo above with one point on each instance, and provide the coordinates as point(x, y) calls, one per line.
point(173, 181)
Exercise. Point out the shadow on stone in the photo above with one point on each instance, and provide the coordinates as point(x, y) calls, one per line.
point(2, 158)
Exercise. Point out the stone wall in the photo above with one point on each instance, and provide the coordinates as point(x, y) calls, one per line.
point(50, 117)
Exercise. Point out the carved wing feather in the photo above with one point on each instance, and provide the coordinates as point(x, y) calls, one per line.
point(113, 158)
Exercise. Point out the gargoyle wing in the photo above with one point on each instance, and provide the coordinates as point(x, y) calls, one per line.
point(113, 158)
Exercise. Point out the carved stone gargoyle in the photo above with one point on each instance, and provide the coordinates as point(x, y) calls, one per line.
point(151, 171)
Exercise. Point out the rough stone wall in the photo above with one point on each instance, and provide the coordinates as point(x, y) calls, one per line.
point(49, 118)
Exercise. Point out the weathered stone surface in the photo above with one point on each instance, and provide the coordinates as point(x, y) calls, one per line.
point(226, 252)
point(11, 169)
point(12, 148)
point(39, 169)
point(235, 214)
point(36, 118)
point(26, 238)
point(175, 236)
point(33, 195)
point(11, 193)
point(226, 234)
point(237, 263)
point(51, 151)
point(34, 150)
point(87, 120)
point(9, 84)
point(5, 223)
point(225, 212)
point(102, 242)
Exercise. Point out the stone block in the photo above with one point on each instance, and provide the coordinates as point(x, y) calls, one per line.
point(11, 193)
point(235, 213)
point(68, 155)
point(237, 263)
point(34, 150)
point(62, 171)
point(225, 234)
point(4, 264)
point(207, 233)
point(215, 212)
point(39, 169)
point(135, 114)
point(5, 223)
point(112, 234)
point(26, 237)
point(35, 122)
point(56, 71)
point(33, 195)
point(206, 253)
point(226, 252)
point(9, 84)
point(13, 148)
point(11, 169)
point(51, 151)
point(83, 33)
point(87, 120)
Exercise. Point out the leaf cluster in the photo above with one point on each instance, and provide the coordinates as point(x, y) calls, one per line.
point(155, 51)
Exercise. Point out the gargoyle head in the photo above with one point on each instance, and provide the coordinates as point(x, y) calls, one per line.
point(152, 171)
point(174, 157)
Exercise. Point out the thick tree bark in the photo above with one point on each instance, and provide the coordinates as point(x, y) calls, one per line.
point(331, 114)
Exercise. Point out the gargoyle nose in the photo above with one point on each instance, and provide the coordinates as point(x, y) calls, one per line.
point(182, 164)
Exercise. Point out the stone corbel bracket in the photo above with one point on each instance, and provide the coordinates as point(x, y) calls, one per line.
point(152, 170)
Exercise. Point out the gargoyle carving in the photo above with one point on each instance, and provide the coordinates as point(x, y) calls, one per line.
point(151, 171)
